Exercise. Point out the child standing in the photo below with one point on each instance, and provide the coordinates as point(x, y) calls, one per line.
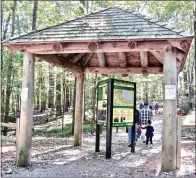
point(149, 132)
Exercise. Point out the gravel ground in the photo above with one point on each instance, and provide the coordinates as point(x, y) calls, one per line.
point(56, 157)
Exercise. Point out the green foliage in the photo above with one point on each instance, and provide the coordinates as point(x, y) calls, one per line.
point(178, 13)
point(67, 130)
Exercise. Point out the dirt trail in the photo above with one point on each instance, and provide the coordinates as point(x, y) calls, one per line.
point(56, 157)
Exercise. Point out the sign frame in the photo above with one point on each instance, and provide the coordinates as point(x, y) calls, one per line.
point(110, 84)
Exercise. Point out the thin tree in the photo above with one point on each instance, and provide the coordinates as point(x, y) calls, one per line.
point(9, 74)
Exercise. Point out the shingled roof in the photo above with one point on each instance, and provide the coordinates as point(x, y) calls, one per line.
point(108, 24)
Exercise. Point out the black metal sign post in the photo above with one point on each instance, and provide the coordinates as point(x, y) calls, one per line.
point(109, 119)
point(97, 141)
point(116, 102)
point(133, 127)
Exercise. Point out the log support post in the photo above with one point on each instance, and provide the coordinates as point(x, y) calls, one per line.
point(170, 128)
point(24, 133)
point(79, 109)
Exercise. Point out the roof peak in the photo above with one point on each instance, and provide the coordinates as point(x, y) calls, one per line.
point(104, 19)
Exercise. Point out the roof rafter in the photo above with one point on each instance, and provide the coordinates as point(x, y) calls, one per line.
point(122, 58)
point(101, 59)
point(144, 58)
point(61, 62)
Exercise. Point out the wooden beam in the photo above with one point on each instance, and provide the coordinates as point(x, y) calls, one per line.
point(9, 125)
point(189, 126)
point(101, 59)
point(61, 62)
point(77, 57)
point(180, 44)
point(104, 75)
point(120, 70)
point(104, 46)
point(188, 143)
point(7, 138)
point(78, 123)
point(170, 129)
point(87, 58)
point(158, 55)
point(64, 55)
point(125, 75)
point(144, 58)
point(178, 143)
point(122, 58)
point(26, 116)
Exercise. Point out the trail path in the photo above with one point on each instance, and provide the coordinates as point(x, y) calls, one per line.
point(56, 157)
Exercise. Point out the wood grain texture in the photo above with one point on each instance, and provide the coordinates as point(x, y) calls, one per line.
point(26, 116)
point(79, 106)
point(169, 136)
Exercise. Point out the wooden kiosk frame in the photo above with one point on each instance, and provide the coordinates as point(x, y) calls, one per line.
point(112, 40)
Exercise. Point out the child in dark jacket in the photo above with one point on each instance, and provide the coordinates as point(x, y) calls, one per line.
point(149, 132)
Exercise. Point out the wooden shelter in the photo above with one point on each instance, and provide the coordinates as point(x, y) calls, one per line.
point(112, 40)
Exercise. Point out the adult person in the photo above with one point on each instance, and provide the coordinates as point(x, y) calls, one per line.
point(137, 122)
point(156, 107)
point(141, 106)
point(146, 114)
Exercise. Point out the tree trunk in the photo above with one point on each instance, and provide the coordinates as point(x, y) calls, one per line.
point(74, 101)
point(66, 97)
point(58, 94)
point(51, 89)
point(9, 74)
point(34, 15)
point(94, 103)
point(42, 91)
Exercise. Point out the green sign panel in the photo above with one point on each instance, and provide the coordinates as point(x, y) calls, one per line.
point(123, 103)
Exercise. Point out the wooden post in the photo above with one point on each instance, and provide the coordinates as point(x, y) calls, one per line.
point(78, 122)
point(179, 131)
point(26, 116)
point(17, 135)
point(169, 137)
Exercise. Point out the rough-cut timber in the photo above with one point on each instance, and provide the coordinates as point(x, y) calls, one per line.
point(79, 105)
point(61, 62)
point(122, 59)
point(169, 144)
point(120, 70)
point(144, 58)
point(26, 116)
point(101, 59)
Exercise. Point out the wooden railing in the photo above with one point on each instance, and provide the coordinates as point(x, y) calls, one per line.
point(185, 143)
point(13, 126)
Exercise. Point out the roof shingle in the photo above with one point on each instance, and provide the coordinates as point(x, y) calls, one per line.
point(108, 24)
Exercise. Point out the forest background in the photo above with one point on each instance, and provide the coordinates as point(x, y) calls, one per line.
point(55, 88)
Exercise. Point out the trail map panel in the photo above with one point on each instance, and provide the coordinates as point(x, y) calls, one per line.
point(102, 102)
point(123, 103)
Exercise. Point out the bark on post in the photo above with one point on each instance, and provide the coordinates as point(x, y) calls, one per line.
point(169, 137)
point(78, 124)
point(26, 117)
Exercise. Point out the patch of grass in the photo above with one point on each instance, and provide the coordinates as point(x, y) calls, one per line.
point(67, 130)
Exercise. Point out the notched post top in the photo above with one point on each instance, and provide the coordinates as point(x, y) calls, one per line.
point(132, 44)
point(169, 47)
